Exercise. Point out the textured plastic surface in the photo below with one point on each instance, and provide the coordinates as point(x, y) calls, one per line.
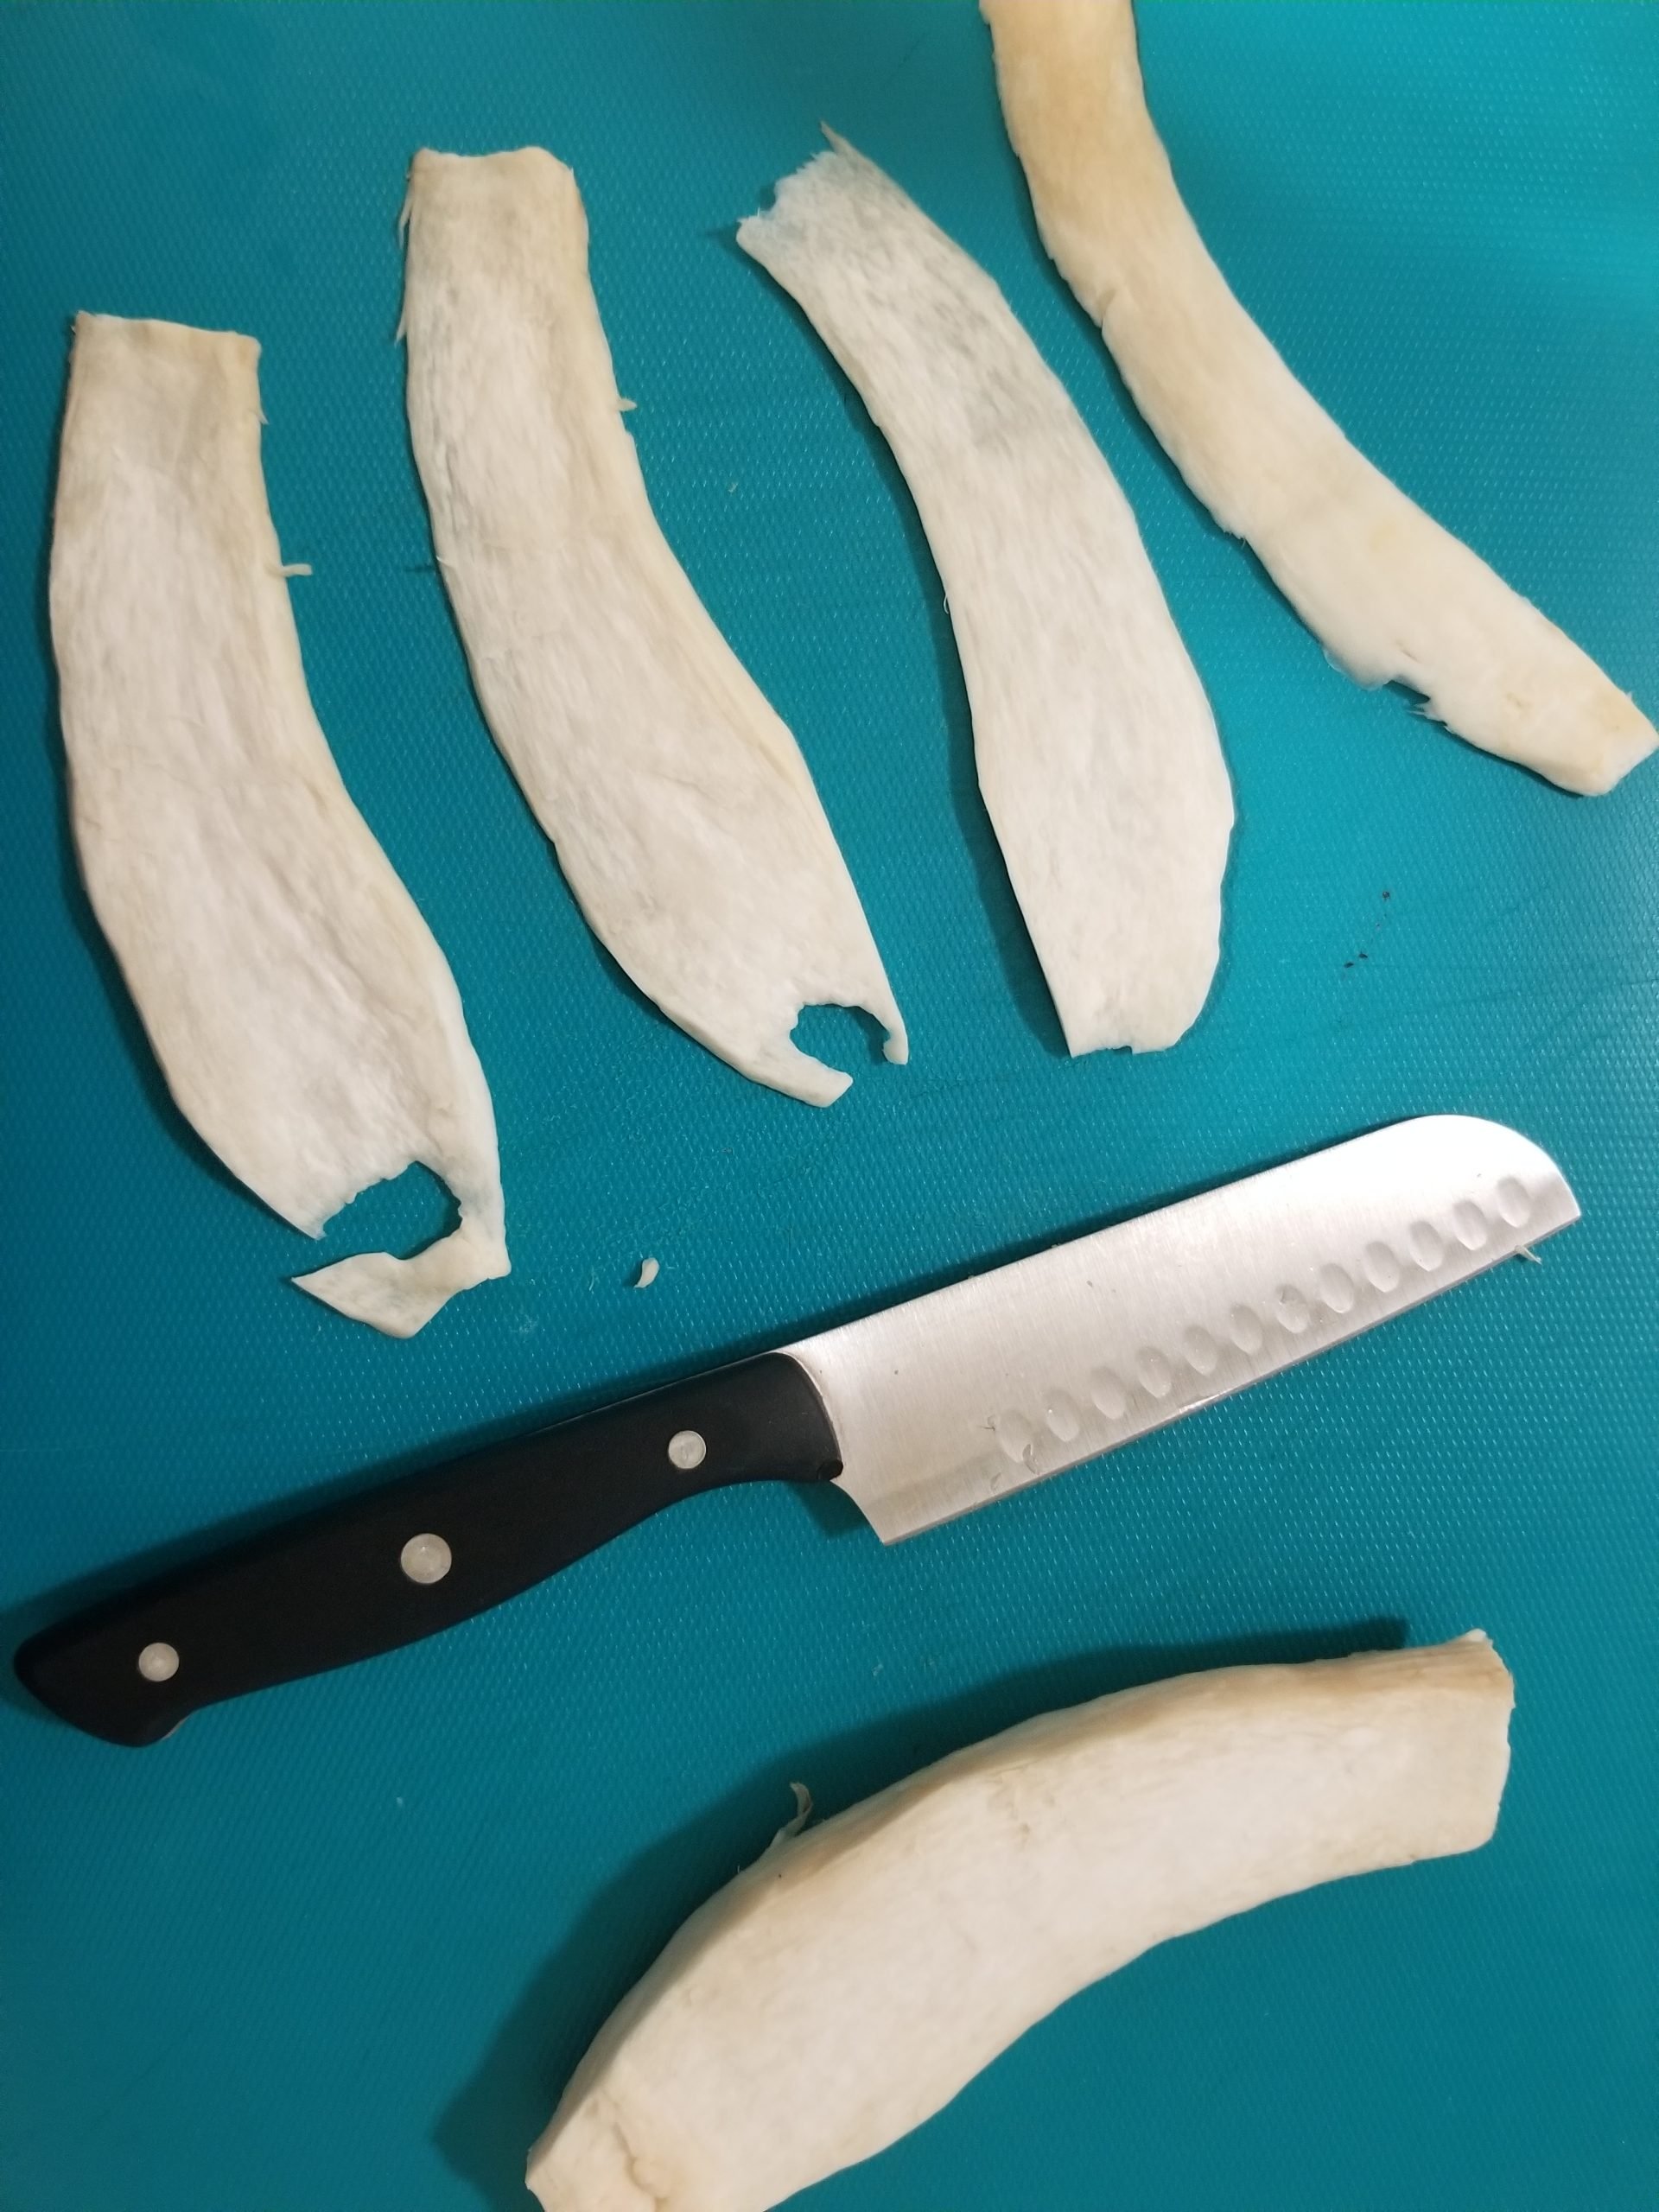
point(339, 1947)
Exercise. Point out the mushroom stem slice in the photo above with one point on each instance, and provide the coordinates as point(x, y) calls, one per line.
point(1391, 595)
point(1097, 751)
point(682, 812)
point(305, 1019)
point(848, 1983)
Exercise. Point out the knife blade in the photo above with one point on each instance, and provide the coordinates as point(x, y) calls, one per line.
point(919, 1413)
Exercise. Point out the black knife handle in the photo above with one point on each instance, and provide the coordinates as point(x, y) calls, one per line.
point(404, 1561)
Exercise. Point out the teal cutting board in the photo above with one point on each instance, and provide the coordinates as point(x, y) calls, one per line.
point(336, 1948)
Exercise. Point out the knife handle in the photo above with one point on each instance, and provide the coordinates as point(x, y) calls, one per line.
point(401, 1562)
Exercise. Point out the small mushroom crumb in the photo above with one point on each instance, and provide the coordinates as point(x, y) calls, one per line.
point(799, 1819)
point(647, 1275)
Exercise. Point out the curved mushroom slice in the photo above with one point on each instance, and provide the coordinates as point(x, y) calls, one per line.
point(304, 1018)
point(848, 1983)
point(682, 812)
point(1391, 596)
point(1097, 750)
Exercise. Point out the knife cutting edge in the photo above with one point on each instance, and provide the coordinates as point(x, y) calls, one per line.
point(919, 1413)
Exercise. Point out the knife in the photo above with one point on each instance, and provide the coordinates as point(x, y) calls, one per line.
point(920, 1413)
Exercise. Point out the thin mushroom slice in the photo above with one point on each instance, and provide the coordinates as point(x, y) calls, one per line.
point(681, 810)
point(1391, 595)
point(847, 1985)
point(1097, 750)
point(305, 1019)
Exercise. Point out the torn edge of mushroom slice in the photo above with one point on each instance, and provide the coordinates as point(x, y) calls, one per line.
point(856, 1977)
point(1391, 595)
point(681, 812)
point(1097, 750)
point(306, 1021)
